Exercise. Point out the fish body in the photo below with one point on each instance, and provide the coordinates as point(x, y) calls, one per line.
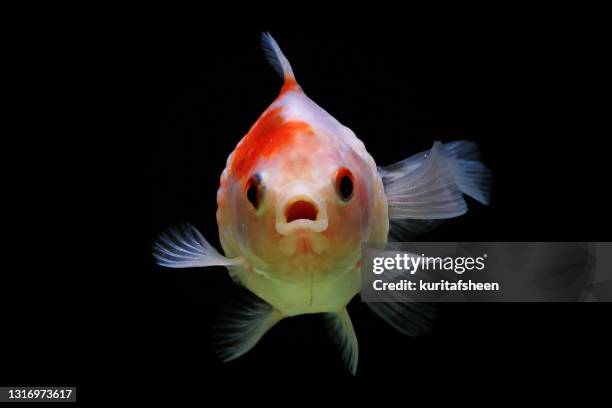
point(298, 196)
point(305, 265)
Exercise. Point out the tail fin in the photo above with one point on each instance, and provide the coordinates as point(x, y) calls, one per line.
point(276, 58)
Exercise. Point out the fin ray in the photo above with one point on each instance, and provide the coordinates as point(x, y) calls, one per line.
point(407, 230)
point(275, 57)
point(430, 185)
point(241, 324)
point(342, 333)
point(409, 318)
point(183, 246)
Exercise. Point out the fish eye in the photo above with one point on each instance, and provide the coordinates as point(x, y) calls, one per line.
point(254, 191)
point(344, 184)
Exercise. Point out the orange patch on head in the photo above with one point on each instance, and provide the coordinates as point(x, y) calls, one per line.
point(289, 85)
point(269, 134)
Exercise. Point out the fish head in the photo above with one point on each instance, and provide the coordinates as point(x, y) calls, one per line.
point(301, 193)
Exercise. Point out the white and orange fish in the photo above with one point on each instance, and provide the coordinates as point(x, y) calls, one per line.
point(298, 196)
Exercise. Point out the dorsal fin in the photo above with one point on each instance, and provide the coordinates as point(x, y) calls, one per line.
point(276, 58)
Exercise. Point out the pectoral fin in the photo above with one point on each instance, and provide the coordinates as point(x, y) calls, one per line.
point(429, 186)
point(183, 246)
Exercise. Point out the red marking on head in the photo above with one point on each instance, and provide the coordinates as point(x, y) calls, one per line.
point(267, 136)
point(289, 85)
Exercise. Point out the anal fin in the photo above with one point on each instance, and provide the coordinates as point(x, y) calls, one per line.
point(342, 333)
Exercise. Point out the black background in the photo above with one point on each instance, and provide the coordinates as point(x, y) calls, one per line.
point(525, 87)
point(399, 90)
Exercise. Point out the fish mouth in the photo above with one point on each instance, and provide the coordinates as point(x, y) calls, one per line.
point(301, 210)
point(301, 213)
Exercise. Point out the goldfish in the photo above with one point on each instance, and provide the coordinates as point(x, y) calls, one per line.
point(298, 196)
